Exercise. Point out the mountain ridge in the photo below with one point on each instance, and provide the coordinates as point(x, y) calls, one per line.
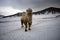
point(49, 9)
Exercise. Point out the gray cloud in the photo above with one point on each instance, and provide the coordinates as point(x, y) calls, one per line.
point(35, 4)
point(13, 6)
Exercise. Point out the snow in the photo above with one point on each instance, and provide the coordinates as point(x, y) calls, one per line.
point(44, 27)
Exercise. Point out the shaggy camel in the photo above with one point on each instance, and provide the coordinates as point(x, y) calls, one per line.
point(26, 19)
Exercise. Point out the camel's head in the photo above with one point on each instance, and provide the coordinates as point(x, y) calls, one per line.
point(29, 10)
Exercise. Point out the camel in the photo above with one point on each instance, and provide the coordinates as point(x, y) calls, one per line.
point(26, 19)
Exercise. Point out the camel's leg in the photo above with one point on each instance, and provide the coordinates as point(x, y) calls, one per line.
point(22, 23)
point(30, 26)
point(25, 27)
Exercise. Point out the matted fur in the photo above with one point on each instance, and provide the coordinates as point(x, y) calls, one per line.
point(26, 19)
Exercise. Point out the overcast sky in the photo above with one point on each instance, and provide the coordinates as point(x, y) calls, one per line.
point(13, 6)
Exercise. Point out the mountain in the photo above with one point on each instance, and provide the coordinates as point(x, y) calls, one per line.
point(50, 9)
point(1, 16)
point(17, 14)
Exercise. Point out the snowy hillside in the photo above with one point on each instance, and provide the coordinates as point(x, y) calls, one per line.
point(1, 16)
point(44, 27)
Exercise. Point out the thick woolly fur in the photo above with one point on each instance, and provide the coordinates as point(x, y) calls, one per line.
point(26, 19)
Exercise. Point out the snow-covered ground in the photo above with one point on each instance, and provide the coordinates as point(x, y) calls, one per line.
point(44, 27)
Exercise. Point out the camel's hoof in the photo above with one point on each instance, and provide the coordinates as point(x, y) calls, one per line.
point(25, 30)
point(29, 29)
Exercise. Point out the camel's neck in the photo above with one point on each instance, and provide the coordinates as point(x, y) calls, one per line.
point(29, 16)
